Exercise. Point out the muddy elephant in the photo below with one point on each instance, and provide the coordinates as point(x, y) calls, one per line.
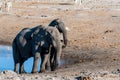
point(62, 29)
point(39, 42)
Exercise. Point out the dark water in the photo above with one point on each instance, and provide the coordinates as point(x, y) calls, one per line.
point(6, 60)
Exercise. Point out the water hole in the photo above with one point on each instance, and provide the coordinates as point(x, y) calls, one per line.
point(7, 62)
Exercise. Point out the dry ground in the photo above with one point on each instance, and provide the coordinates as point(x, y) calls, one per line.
point(94, 39)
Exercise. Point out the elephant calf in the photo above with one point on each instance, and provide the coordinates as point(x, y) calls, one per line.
point(39, 42)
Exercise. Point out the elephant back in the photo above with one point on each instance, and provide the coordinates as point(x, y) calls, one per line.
point(37, 30)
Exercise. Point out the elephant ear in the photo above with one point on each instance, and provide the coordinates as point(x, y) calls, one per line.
point(53, 23)
point(54, 35)
point(58, 24)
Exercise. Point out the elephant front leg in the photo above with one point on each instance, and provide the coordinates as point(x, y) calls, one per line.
point(47, 66)
point(35, 63)
point(44, 60)
point(57, 56)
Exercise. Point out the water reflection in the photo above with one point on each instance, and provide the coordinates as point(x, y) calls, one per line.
point(6, 59)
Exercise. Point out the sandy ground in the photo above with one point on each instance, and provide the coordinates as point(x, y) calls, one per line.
point(93, 51)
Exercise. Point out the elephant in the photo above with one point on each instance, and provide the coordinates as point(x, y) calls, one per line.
point(38, 42)
point(50, 46)
point(61, 28)
point(22, 48)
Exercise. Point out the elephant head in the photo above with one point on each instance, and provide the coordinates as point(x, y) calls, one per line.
point(61, 28)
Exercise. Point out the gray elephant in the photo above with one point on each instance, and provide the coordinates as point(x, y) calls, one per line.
point(50, 46)
point(61, 27)
point(39, 42)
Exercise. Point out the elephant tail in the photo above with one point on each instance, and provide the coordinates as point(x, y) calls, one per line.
point(16, 53)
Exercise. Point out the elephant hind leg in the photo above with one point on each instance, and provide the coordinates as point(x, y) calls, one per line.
point(16, 67)
point(16, 56)
point(21, 69)
point(16, 63)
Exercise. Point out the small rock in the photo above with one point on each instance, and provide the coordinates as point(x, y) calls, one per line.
point(43, 15)
point(108, 31)
point(86, 78)
point(83, 78)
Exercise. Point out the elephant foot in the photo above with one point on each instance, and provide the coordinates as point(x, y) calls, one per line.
point(16, 72)
point(53, 67)
point(47, 68)
point(42, 70)
point(22, 72)
point(34, 72)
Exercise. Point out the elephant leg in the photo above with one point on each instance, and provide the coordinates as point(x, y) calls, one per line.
point(16, 67)
point(35, 63)
point(52, 59)
point(21, 70)
point(57, 56)
point(47, 66)
point(43, 62)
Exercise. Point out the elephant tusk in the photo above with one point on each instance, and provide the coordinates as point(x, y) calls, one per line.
point(67, 29)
